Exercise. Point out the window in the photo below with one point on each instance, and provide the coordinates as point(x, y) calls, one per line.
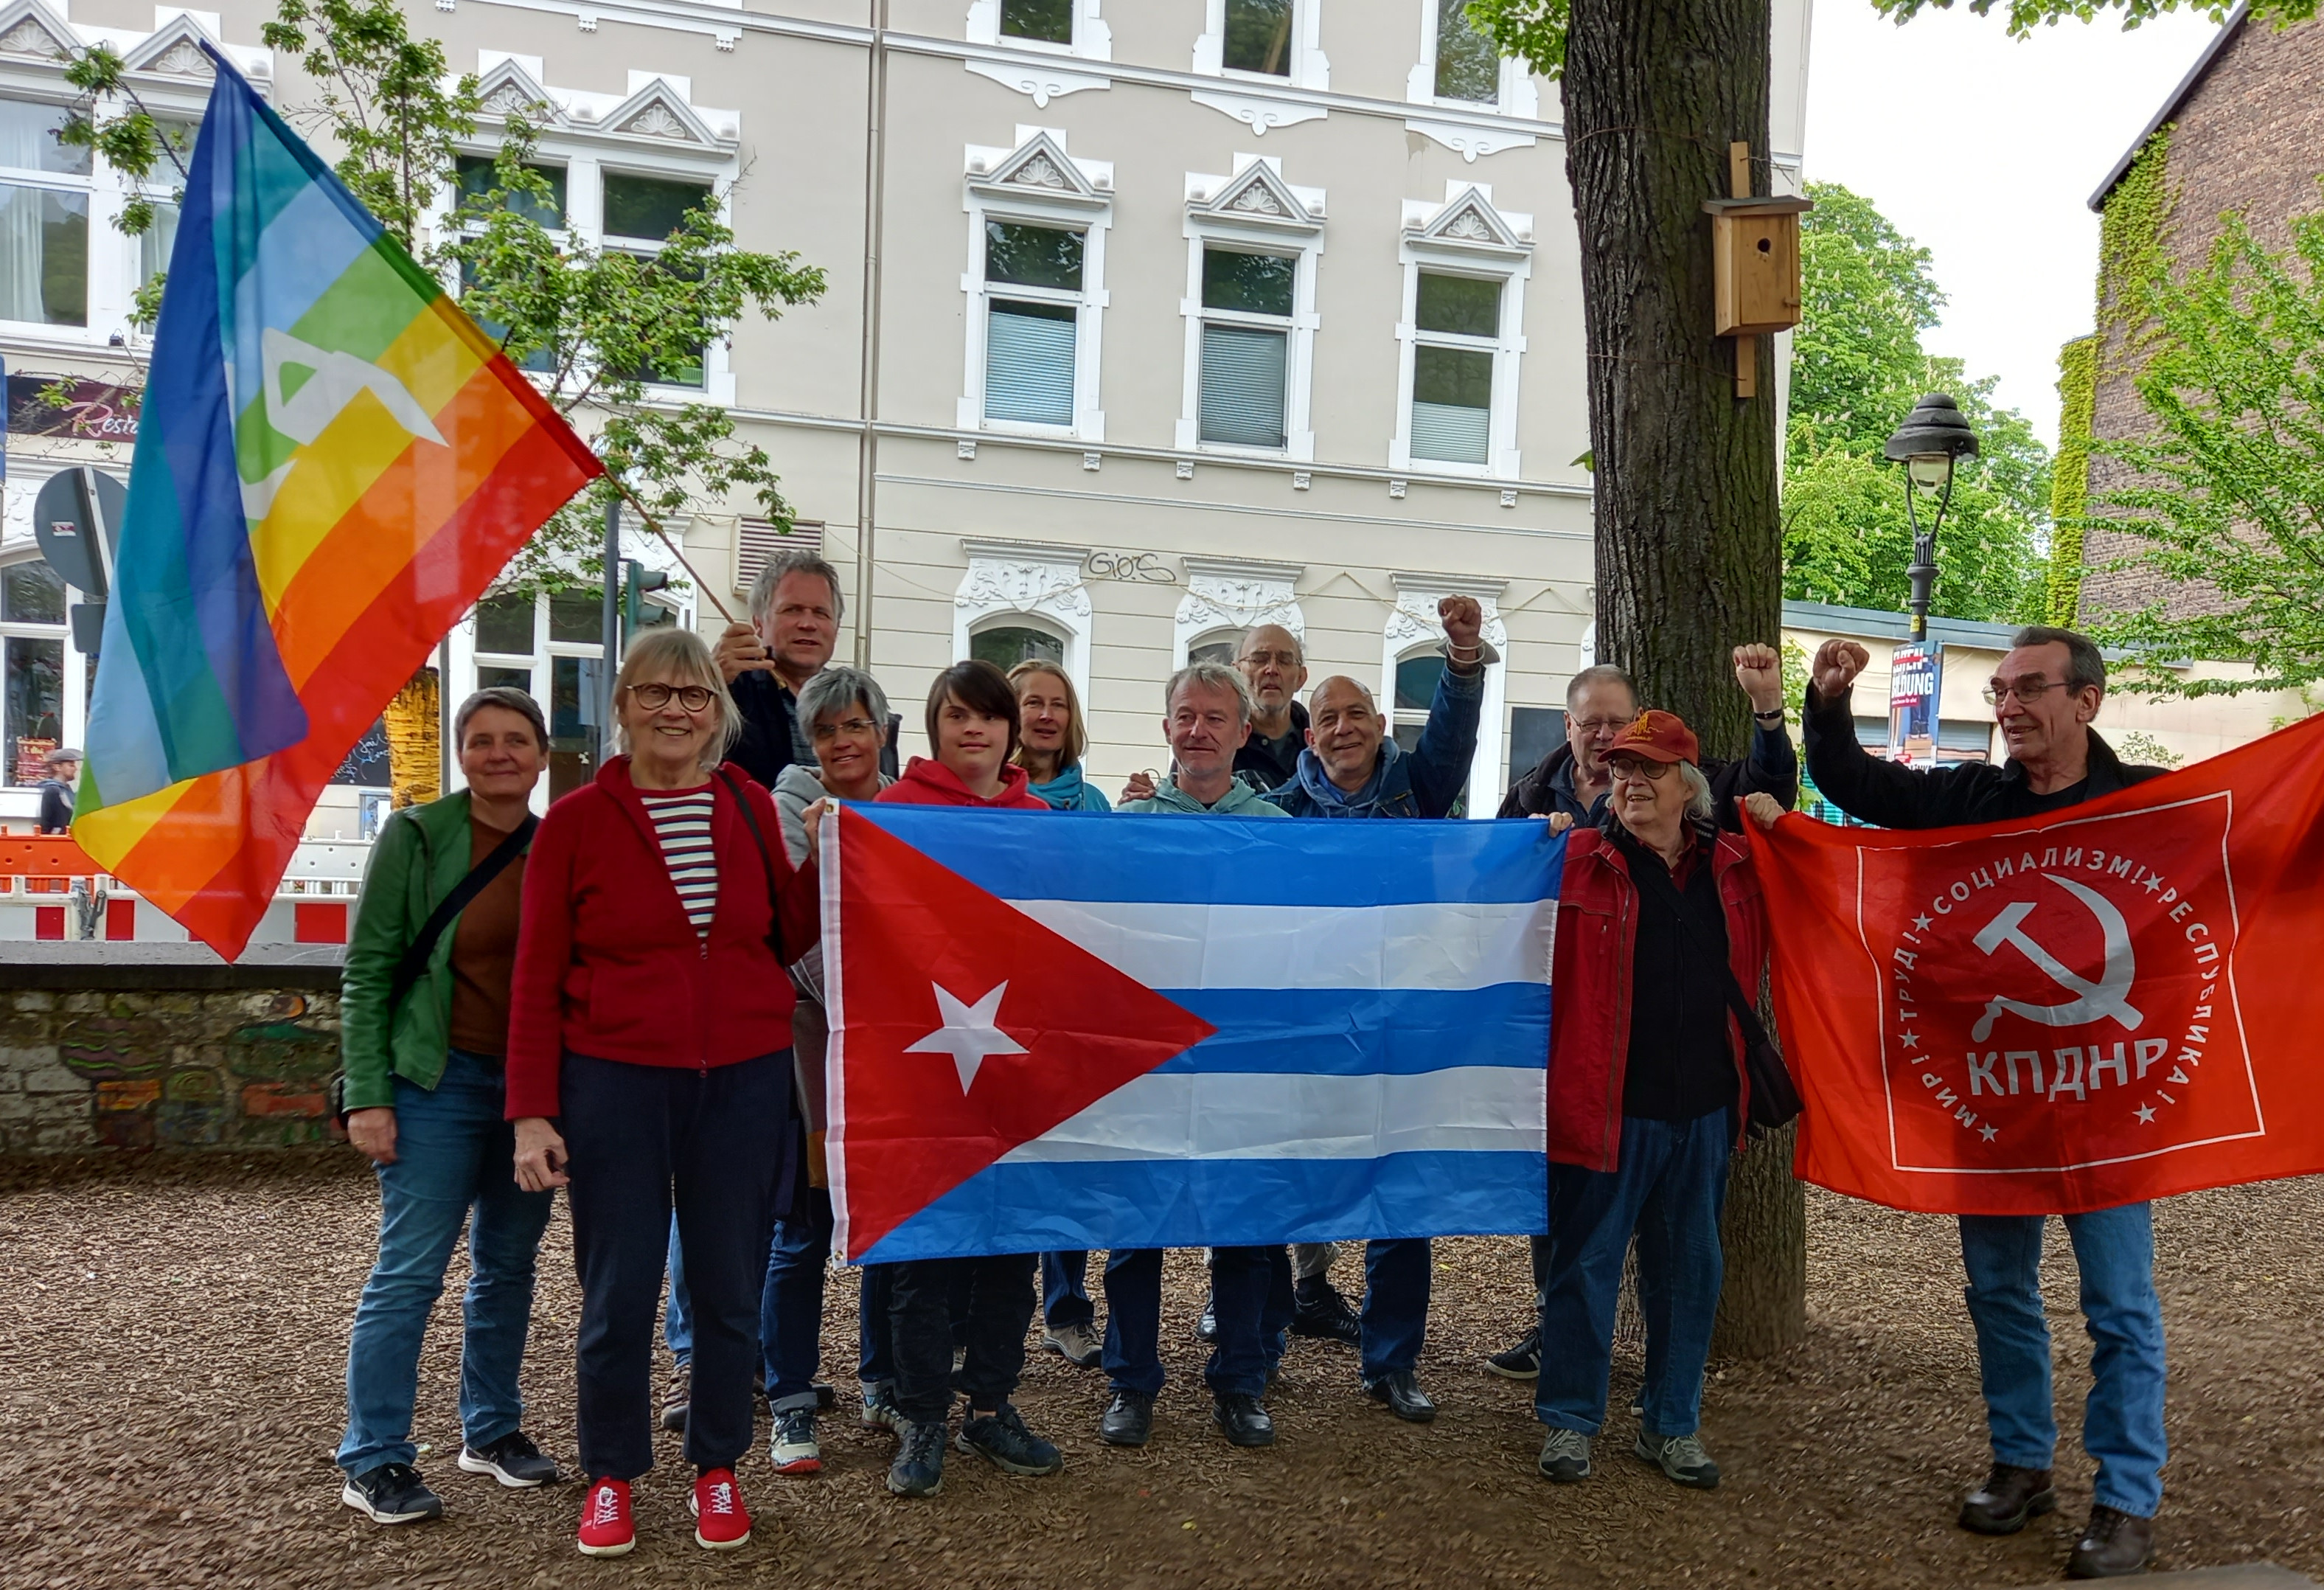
point(1247, 300)
point(1220, 649)
point(477, 179)
point(1534, 733)
point(1008, 645)
point(641, 214)
point(1259, 37)
point(1468, 67)
point(522, 640)
point(44, 225)
point(1459, 318)
point(31, 669)
point(1046, 22)
point(1033, 277)
point(160, 189)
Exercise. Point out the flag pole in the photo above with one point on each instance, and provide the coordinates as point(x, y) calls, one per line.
point(655, 525)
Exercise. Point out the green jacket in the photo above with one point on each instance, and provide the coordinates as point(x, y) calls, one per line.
point(420, 858)
point(1169, 800)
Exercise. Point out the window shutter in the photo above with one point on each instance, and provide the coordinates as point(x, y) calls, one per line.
point(1242, 385)
point(1451, 432)
point(1029, 364)
point(756, 540)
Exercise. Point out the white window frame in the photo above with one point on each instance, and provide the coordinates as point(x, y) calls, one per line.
point(1412, 630)
point(653, 131)
point(1037, 183)
point(1308, 65)
point(1517, 94)
point(72, 712)
point(1035, 584)
point(1465, 237)
point(1093, 40)
point(1256, 211)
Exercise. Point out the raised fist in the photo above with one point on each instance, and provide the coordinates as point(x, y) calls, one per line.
point(1837, 663)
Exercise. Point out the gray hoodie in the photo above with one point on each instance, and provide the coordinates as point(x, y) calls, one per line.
point(796, 788)
point(1169, 800)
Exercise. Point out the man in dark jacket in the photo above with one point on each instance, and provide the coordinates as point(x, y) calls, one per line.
point(63, 767)
point(1601, 702)
point(1351, 769)
point(796, 608)
point(1273, 664)
point(2045, 693)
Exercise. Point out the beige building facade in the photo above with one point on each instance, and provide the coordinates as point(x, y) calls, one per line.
point(1167, 316)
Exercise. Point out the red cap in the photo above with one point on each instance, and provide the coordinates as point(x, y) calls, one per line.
point(1657, 736)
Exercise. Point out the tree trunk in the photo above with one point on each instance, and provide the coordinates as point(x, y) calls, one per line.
point(415, 737)
point(1689, 544)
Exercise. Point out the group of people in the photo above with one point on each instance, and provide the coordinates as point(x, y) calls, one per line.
point(624, 998)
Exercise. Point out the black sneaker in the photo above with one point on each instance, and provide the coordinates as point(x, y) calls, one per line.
point(1318, 1310)
point(677, 1396)
point(1002, 1440)
point(513, 1460)
point(918, 1468)
point(1520, 1362)
point(391, 1493)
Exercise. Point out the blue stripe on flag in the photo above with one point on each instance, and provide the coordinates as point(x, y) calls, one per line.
point(1352, 1032)
point(1125, 1204)
point(1234, 861)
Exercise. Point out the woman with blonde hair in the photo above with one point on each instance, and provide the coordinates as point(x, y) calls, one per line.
point(1052, 737)
point(650, 1019)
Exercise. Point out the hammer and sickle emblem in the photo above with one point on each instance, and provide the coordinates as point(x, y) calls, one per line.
point(2108, 996)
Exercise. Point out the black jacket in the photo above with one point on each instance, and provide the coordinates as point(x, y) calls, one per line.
point(771, 737)
point(1265, 766)
point(1891, 795)
point(1772, 768)
point(56, 807)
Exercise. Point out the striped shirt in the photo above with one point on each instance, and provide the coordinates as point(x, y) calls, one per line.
point(682, 823)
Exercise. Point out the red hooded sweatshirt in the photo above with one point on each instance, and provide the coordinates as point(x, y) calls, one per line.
point(927, 782)
point(607, 963)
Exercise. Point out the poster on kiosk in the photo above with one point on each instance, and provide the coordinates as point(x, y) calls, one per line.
point(1914, 672)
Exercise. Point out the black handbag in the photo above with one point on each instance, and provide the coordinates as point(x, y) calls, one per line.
point(1774, 1098)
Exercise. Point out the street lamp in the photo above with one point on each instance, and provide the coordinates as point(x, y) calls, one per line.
point(1932, 439)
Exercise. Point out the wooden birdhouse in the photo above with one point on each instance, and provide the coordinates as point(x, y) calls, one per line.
point(1755, 246)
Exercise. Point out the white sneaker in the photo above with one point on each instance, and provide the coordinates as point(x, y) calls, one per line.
point(1077, 1345)
point(794, 1450)
point(1564, 1456)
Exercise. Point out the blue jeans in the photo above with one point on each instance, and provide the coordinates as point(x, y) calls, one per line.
point(1064, 1290)
point(2121, 1422)
point(1239, 1283)
point(1669, 1185)
point(790, 1309)
point(1397, 1275)
point(453, 1154)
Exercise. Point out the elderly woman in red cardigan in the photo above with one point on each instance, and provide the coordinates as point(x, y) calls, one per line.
point(649, 1066)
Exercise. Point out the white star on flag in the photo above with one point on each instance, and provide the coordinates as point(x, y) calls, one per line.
point(2145, 1115)
point(970, 1032)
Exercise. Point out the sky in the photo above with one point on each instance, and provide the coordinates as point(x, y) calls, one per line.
point(1985, 150)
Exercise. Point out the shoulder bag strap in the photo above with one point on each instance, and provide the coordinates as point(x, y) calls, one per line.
point(767, 860)
point(409, 969)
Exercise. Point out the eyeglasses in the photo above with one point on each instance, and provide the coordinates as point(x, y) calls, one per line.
point(1601, 725)
point(847, 726)
point(2027, 691)
point(654, 698)
point(1630, 767)
point(1261, 659)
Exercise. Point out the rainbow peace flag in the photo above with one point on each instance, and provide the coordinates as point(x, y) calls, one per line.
point(332, 465)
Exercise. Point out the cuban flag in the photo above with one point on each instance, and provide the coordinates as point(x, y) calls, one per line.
point(1078, 1030)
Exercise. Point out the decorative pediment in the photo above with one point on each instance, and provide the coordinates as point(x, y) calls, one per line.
point(1467, 219)
point(509, 90)
point(28, 28)
point(659, 111)
point(1259, 195)
point(174, 50)
point(1039, 167)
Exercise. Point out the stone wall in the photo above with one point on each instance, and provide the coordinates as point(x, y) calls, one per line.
point(141, 1045)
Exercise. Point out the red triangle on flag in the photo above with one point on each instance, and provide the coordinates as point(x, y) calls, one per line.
point(969, 1029)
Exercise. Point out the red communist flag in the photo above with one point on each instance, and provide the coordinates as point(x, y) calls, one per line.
point(960, 1029)
point(2112, 1003)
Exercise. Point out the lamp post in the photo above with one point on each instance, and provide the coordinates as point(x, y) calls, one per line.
point(1933, 439)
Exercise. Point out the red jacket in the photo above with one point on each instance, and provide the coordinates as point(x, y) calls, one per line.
point(928, 783)
point(607, 964)
point(1590, 979)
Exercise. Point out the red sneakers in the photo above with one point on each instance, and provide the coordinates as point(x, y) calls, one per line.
point(606, 1528)
point(721, 1520)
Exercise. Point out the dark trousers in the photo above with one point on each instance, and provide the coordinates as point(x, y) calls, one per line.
point(1276, 1305)
point(1396, 1274)
point(1064, 1290)
point(1668, 1185)
point(643, 1139)
point(999, 1308)
point(1240, 1281)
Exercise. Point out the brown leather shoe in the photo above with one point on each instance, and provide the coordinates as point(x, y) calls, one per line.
point(2113, 1544)
point(2009, 1497)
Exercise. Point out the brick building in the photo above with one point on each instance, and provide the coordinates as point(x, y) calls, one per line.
point(2243, 131)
